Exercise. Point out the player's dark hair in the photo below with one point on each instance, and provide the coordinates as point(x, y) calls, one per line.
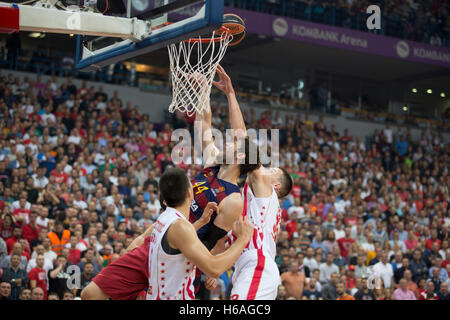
point(250, 162)
point(161, 201)
point(173, 187)
point(286, 184)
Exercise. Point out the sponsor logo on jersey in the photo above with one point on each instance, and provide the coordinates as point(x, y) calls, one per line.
point(159, 225)
point(219, 189)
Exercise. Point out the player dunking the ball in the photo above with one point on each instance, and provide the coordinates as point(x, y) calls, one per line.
point(125, 277)
point(256, 274)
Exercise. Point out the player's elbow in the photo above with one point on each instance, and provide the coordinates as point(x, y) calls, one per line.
point(214, 274)
point(212, 269)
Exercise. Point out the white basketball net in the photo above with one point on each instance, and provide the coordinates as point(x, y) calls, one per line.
point(193, 65)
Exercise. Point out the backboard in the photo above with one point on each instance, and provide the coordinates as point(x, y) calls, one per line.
point(165, 22)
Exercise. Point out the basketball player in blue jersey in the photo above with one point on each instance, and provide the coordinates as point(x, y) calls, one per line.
point(218, 181)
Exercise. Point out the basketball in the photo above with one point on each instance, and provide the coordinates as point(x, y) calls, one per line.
point(234, 23)
point(237, 27)
point(237, 38)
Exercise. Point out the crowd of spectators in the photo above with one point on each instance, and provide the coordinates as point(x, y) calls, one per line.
point(79, 173)
point(423, 21)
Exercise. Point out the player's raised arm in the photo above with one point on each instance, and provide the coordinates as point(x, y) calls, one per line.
point(181, 235)
point(236, 119)
point(211, 152)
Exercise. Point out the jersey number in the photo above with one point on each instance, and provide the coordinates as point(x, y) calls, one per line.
point(199, 187)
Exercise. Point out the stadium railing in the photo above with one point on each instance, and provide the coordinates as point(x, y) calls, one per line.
point(341, 17)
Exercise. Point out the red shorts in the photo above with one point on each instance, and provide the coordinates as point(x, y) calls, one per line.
point(127, 276)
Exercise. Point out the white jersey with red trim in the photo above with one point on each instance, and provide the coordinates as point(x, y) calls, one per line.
point(171, 277)
point(256, 275)
point(265, 216)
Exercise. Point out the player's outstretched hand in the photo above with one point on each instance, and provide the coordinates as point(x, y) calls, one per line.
point(210, 208)
point(243, 229)
point(224, 84)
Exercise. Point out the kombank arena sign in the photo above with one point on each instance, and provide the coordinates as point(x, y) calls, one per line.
point(304, 31)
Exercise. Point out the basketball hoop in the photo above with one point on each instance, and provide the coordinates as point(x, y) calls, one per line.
point(193, 64)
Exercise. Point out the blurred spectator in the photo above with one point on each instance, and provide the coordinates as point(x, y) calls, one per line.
point(52, 296)
point(418, 266)
point(327, 269)
point(60, 237)
point(443, 293)
point(37, 293)
point(364, 293)
point(58, 277)
point(68, 295)
point(429, 293)
point(38, 277)
point(17, 249)
point(48, 264)
point(402, 292)
point(281, 293)
point(329, 291)
point(5, 291)
point(17, 277)
point(293, 281)
point(311, 292)
point(383, 269)
point(342, 294)
point(25, 294)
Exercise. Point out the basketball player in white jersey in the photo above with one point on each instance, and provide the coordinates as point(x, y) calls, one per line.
point(175, 249)
point(256, 275)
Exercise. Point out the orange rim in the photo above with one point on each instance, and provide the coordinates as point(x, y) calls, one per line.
point(162, 25)
point(207, 40)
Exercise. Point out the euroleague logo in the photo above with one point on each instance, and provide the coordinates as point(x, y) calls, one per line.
point(280, 27)
point(402, 49)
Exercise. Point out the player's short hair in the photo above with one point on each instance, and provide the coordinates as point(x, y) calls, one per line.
point(161, 201)
point(286, 184)
point(250, 163)
point(173, 187)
